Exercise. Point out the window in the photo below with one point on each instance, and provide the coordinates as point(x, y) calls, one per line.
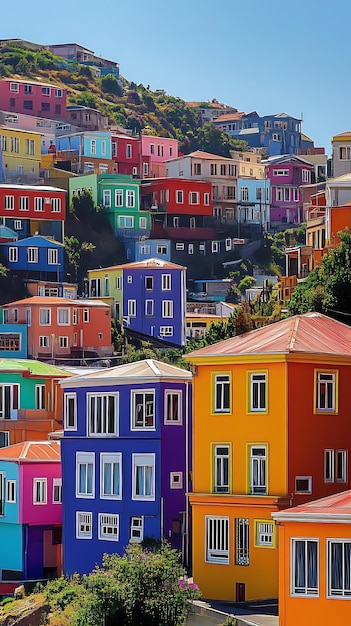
point(176, 222)
point(93, 146)
point(45, 317)
point(279, 194)
point(303, 484)
point(166, 331)
point(197, 169)
point(145, 169)
point(143, 476)
point(149, 308)
point(13, 255)
point(106, 198)
point(118, 282)
point(179, 246)
point(242, 556)
point(118, 197)
point(63, 316)
point(131, 308)
point(14, 144)
point(325, 392)
point(244, 194)
point(130, 198)
point(179, 196)
point(58, 93)
point(304, 571)
point(143, 409)
point(345, 153)
point(3, 143)
point(192, 222)
point(221, 468)
point(125, 222)
point(129, 279)
point(29, 146)
point(206, 198)
point(142, 223)
point(280, 172)
point(217, 540)
point(258, 469)
point(341, 466)
point(295, 191)
point(63, 342)
point(45, 106)
point(161, 249)
point(17, 225)
point(166, 282)
point(339, 568)
point(111, 476)
point(11, 491)
point(102, 414)
point(137, 529)
point(213, 169)
point(103, 148)
point(328, 466)
point(287, 194)
point(38, 204)
point(222, 393)
point(70, 411)
point(149, 282)
point(43, 341)
point(57, 491)
point(129, 151)
point(10, 342)
point(40, 397)
point(108, 527)
point(45, 91)
point(167, 308)
point(24, 203)
point(152, 148)
point(85, 468)
point(258, 392)
point(173, 407)
point(14, 87)
point(84, 524)
point(305, 176)
point(39, 491)
point(9, 203)
point(264, 533)
point(32, 255)
point(4, 439)
point(176, 480)
point(276, 136)
point(194, 197)
point(215, 246)
point(55, 205)
point(85, 315)
point(52, 256)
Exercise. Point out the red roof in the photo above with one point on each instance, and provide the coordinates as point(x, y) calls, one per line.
point(32, 451)
point(310, 333)
point(230, 117)
point(58, 301)
point(329, 508)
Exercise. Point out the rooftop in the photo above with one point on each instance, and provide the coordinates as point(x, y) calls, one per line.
point(335, 506)
point(47, 300)
point(32, 451)
point(34, 367)
point(148, 263)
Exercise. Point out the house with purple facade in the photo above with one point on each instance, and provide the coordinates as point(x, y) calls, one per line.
point(287, 173)
point(125, 460)
point(30, 512)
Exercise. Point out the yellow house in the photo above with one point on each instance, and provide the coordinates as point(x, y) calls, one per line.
point(106, 284)
point(20, 155)
point(197, 324)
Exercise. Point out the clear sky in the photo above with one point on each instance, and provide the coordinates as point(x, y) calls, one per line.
point(264, 55)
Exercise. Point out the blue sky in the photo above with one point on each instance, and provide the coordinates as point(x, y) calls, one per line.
point(269, 56)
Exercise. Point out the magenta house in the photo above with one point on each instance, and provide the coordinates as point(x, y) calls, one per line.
point(32, 98)
point(154, 152)
point(30, 512)
point(287, 174)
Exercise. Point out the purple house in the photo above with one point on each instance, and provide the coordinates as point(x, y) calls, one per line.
point(287, 174)
point(125, 460)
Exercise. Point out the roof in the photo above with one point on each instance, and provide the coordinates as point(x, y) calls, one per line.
point(326, 509)
point(148, 263)
point(30, 187)
point(341, 135)
point(344, 178)
point(32, 451)
point(301, 334)
point(37, 300)
point(148, 369)
point(27, 81)
point(229, 118)
point(198, 154)
point(34, 367)
point(39, 239)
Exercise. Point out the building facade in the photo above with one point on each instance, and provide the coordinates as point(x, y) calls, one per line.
point(32, 98)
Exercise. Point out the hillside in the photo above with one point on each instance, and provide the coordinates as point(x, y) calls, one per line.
point(132, 106)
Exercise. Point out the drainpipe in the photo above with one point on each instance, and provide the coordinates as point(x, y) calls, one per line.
point(186, 551)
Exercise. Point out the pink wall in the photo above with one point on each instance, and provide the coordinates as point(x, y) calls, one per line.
point(164, 148)
point(27, 97)
point(38, 514)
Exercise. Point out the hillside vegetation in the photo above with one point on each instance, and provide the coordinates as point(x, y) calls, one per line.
point(130, 106)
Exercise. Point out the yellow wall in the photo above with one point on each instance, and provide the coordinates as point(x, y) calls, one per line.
point(115, 295)
point(11, 159)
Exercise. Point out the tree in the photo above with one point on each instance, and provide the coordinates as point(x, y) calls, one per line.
point(110, 84)
point(328, 287)
point(246, 283)
point(76, 255)
point(239, 322)
point(144, 587)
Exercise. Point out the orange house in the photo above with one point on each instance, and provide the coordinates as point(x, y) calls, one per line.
point(265, 409)
point(61, 329)
point(315, 562)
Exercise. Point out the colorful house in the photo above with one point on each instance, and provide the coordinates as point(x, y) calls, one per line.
point(31, 97)
point(58, 328)
point(33, 210)
point(87, 151)
point(125, 460)
point(126, 153)
point(254, 201)
point(286, 175)
point(260, 444)
point(149, 296)
point(30, 400)
point(154, 152)
point(31, 513)
point(197, 324)
point(20, 156)
point(118, 196)
point(35, 257)
point(315, 557)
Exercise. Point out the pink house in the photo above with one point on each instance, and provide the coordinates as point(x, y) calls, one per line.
point(32, 98)
point(154, 152)
point(287, 174)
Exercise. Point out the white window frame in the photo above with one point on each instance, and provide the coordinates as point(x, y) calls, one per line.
point(145, 407)
point(130, 199)
point(343, 465)
point(108, 521)
point(194, 197)
point(136, 529)
point(40, 397)
point(343, 591)
point(179, 196)
point(41, 496)
point(258, 470)
point(57, 491)
point(97, 411)
point(142, 223)
point(32, 255)
point(38, 204)
point(221, 382)
point(221, 468)
point(111, 459)
point(329, 464)
point(167, 309)
point(166, 282)
point(168, 406)
point(176, 480)
point(146, 461)
point(52, 256)
point(67, 316)
point(24, 203)
point(309, 480)
point(242, 541)
point(303, 590)
point(13, 254)
point(84, 519)
point(264, 533)
point(11, 492)
point(118, 197)
point(9, 203)
point(93, 146)
point(85, 459)
point(47, 317)
point(329, 381)
point(106, 198)
point(70, 399)
point(56, 205)
point(149, 308)
point(44, 341)
point(63, 341)
point(131, 308)
point(217, 540)
point(258, 381)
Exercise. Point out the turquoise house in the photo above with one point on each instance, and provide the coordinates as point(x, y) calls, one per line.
point(13, 339)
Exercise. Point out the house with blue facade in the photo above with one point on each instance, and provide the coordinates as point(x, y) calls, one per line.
point(88, 151)
point(125, 460)
point(141, 250)
point(30, 512)
point(13, 339)
point(277, 134)
point(37, 258)
point(253, 202)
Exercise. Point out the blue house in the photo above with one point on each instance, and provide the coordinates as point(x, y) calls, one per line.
point(13, 340)
point(254, 198)
point(86, 145)
point(277, 134)
point(144, 249)
point(37, 258)
point(125, 460)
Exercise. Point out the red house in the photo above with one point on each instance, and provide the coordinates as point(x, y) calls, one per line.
point(32, 98)
point(125, 153)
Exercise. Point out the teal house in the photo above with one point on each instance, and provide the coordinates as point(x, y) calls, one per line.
point(13, 339)
point(118, 196)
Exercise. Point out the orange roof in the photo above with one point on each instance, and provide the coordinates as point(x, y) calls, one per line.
point(206, 155)
point(310, 333)
point(335, 506)
point(57, 301)
point(230, 117)
point(148, 263)
point(32, 451)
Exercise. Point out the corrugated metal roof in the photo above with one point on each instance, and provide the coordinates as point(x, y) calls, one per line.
point(32, 451)
point(35, 367)
point(148, 263)
point(338, 504)
point(311, 333)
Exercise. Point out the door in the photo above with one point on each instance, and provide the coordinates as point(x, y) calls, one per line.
point(240, 592)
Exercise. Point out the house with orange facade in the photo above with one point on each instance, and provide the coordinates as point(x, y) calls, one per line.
point(60, 329)
point(265, 409)
point(315, 559)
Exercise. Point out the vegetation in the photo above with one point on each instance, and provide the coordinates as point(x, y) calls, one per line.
point(239, 322)
point(143, 587)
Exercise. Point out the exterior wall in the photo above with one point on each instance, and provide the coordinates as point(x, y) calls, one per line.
point(254, 209)
point(81, 143)
point(341, 154)
point(126, 154)
point(163, 195)
point(286, 197)
point(40, 269)
point(11, 557)
point(47, 194)
point(46, 127)
point(7, 347)
point(339, 218)
point(14, 98)
point(163, 149)
point(103, 283)
point(38, 514)
point(20, 155)
point(310, 610)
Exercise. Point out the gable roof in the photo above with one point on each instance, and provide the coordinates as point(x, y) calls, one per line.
point(325, 509)
point(42, 451)
point(39, 240)
point(148, 369)
point(146, 264)
point(310, 333)
point(57, 301)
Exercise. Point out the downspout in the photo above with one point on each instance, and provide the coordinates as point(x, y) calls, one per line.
point(186, 550)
